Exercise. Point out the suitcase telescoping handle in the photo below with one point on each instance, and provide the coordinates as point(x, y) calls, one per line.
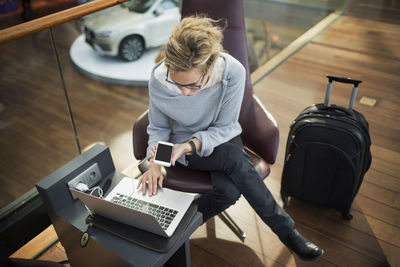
point(342, 80)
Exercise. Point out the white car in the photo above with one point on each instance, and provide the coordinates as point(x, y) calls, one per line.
point(130, 28)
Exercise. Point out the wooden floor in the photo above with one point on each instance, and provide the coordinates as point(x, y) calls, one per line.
point(364, 43)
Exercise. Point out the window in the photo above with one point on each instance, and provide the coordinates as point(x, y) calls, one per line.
point(168, 4)
point(139, 6)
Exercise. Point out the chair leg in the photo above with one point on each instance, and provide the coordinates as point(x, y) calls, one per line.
point(224, 216)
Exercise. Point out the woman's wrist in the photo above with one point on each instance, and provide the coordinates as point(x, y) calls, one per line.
point(197, 143)
point(152, 165)
point(191, 146)
point(188, 148)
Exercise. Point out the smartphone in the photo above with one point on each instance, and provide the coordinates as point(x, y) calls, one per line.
point(164, 153)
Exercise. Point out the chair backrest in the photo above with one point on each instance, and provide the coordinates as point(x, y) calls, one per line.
point(260, 131)
point(234, 35)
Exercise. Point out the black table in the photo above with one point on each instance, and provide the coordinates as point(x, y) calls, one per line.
point(103, 248)
point(106, 249)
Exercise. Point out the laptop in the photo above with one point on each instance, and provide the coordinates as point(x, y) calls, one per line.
point(159, 214)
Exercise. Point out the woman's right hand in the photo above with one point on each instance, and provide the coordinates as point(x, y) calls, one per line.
point(152, 177)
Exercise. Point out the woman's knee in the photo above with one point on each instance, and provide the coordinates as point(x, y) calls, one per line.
point(229, 151)
point(228, 195)
point(235, 158)
point(217, 200)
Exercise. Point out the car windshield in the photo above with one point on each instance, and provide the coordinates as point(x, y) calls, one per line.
point(139, 6)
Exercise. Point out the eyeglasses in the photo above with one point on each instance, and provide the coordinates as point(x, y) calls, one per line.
point(191, 86)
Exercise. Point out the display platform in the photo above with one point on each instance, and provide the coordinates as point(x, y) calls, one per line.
point(112, 69)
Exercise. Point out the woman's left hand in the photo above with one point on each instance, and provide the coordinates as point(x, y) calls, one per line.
point(179, 150)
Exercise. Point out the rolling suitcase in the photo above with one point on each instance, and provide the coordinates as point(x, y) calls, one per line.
point(327, 153)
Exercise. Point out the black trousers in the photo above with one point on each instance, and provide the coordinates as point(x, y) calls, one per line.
point(233, 174)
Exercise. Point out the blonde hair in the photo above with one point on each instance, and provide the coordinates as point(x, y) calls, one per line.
point(195, 42)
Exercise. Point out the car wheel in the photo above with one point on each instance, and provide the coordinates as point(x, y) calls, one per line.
point(131, 48)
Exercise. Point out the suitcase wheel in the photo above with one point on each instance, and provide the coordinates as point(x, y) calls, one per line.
point(285, 199)
point(347, 215)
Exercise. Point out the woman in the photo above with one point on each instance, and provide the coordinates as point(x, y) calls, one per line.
point(195, 100)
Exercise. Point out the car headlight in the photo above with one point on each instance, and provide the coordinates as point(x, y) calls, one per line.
point(103, 34)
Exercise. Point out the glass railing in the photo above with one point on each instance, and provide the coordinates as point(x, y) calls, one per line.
point(35, 128)
point(274, 24)
point(52, 108)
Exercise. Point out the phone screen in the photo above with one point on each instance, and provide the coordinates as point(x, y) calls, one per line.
point(164, 152)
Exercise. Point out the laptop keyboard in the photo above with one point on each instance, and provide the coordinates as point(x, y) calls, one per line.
point(163, 215)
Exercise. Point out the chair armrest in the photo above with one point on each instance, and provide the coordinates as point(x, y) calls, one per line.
point(140, 137)
point(260, 131)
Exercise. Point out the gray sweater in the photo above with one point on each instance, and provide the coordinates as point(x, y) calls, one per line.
point(211, 115)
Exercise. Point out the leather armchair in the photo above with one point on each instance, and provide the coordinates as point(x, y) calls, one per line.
point(260, 133)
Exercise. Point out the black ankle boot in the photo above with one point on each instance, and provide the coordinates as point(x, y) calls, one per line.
point(305, 249)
